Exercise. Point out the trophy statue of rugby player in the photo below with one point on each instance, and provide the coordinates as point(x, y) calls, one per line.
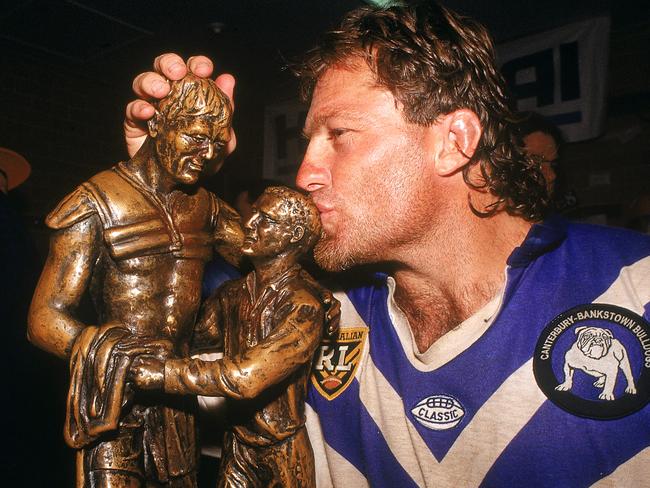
point(270, 323)
point(137, 237)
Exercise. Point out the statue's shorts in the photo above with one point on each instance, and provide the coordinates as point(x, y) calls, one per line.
point(153, 443)
point(287, 464)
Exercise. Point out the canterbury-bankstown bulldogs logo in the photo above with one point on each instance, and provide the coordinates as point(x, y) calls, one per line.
point(594, 361)
point(438, 412)
point(599, 354)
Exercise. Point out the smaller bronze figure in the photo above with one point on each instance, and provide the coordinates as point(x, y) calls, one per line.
point(137, 237)
point(271, 322)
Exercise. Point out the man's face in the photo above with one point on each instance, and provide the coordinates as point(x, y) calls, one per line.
point(366, 169)
point(268, 232)
point(543, 145)
point(184, 147)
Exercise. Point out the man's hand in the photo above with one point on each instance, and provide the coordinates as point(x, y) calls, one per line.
point(148, 373)
point(154, 85)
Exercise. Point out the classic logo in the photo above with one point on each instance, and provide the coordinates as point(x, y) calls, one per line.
point(438, 412)
point(594, 361)
point(336, 362)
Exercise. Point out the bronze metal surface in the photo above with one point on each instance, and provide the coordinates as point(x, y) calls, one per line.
point(270, 323)
point(136, 237)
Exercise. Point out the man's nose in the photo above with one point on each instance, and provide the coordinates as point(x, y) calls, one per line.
point(314, 173)
point(250, 223)
point(208, 150)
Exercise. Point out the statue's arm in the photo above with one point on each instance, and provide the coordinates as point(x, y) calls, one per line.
point(66, 276)
point(207, 331)
point(228, 236)
point(289, 346)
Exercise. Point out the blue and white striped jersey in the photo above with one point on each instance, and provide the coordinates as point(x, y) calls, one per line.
point(474, 410)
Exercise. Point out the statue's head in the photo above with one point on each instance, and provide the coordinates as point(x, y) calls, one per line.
point(283, 220)
point(191, 125)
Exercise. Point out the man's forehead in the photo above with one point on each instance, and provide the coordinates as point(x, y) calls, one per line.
point(345, 91)
point(203, 124)
point(210, 120)
point(271, 205)
point(340, 73)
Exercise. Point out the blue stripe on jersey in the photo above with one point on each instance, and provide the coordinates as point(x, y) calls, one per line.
point(356, 437)
point(586, 450)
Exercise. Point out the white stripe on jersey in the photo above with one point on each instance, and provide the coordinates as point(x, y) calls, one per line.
point(349, 316)
point(632, 281)
point(628, 473)
point(387, 410)
point(493, 427)
point(477, 447)
point(325, 456)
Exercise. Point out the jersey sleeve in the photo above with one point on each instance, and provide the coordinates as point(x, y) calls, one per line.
point(228, 235)
point(77, 206)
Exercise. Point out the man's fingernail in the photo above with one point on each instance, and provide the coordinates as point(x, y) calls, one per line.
point(175, 68)
point(158, 86)
point(203, 65)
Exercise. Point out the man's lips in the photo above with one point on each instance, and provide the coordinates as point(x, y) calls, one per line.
point(324, 207)
point(249, 237)
point(195, 164)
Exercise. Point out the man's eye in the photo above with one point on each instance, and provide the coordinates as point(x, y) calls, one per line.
point(335, 133)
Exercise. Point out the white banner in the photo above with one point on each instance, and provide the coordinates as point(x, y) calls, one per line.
point(562, 74)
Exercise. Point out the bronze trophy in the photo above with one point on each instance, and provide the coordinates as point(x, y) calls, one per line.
point(270, 323)
point(136, 237)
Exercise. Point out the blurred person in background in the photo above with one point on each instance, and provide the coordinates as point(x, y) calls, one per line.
point(542, 139)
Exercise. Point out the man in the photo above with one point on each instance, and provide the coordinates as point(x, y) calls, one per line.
point(136, 237)
point(445, 372)
point(271, 322)
point(243, 195)
point(544, 141)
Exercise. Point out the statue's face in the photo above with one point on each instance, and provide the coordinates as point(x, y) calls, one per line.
point(269, 231)
point(183, 147)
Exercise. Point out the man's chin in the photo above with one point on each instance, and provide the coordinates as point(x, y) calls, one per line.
point(332, 256)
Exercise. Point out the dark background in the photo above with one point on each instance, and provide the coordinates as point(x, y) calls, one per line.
point(65, 73)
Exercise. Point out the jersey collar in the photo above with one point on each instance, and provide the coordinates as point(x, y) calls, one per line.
point(542, 238)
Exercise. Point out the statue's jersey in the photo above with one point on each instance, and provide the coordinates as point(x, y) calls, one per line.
point(505, 399)
point(151, 250)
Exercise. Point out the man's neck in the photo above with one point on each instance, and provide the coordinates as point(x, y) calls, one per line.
point(446, 280)
point(146, 168)
point(268, 271)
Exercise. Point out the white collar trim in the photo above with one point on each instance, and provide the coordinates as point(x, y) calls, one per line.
point(449, 345)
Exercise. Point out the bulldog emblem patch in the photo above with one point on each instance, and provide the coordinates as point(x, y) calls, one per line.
point(336, 361)
point(594, 361)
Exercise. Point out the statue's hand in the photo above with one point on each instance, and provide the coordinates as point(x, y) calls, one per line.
point(332, 312)
point(153, 85)
point(148, 373)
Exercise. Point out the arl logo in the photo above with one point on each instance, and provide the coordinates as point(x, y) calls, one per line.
point(336, 362)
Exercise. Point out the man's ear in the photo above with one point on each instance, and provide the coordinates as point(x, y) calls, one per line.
point(461, 131)
point(153, 124)
point(298, 232)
